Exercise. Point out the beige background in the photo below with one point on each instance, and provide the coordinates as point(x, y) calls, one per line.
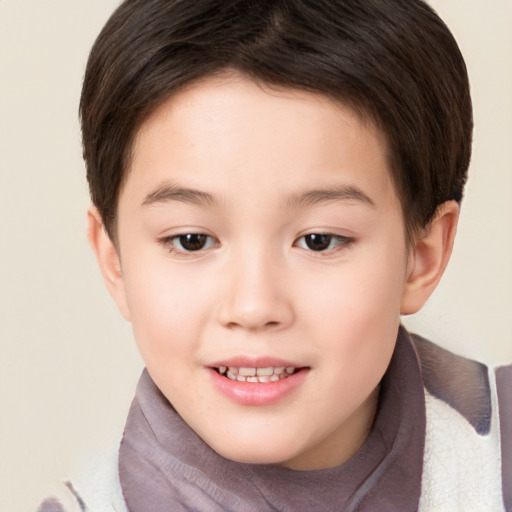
point(68, 365)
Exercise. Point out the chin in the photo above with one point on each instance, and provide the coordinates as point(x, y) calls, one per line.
point(251, 451)
point(245, 456)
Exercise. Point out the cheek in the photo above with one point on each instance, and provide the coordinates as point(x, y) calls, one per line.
point(366, 289)
point(355, 314)
point(167, 308)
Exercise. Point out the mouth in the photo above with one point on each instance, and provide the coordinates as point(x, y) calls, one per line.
point(257, 375)
point(257, 380)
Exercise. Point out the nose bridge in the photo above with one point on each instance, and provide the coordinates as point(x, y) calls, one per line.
point(256, 295)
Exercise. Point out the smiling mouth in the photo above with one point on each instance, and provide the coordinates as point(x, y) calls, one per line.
point(263, 375)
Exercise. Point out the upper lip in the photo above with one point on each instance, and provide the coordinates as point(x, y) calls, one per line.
point(255, 362)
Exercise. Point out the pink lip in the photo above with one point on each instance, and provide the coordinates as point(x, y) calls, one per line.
point(257, 393)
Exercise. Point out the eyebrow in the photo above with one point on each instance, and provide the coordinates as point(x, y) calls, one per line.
point(169, 192)
point(343, 193)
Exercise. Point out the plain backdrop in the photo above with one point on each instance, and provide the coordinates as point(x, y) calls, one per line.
point(68, 364)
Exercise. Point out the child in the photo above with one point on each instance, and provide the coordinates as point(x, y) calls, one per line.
point(274, 184)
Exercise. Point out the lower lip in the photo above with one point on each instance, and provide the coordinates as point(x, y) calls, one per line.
point(258, 393)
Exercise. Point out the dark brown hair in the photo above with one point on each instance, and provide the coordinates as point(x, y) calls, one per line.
point(393, 61)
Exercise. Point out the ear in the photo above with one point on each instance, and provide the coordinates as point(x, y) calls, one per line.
point(429, 257)
point(108, 259)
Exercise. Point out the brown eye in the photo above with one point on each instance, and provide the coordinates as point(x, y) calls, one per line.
point(318, 241)
point(187, 243)
point(192, 241)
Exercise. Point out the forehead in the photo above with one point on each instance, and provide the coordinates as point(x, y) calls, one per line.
point(233, 136)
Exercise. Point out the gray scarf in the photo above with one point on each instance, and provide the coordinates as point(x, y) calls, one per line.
point(165, 466)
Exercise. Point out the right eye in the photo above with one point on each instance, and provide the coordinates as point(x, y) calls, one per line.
point(189, 242)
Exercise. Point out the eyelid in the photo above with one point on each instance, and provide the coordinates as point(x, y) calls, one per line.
point(168, 242)
point(343, 241)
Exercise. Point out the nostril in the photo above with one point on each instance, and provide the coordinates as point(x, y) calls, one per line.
point(254, 325)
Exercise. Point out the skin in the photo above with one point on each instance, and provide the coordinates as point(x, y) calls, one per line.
point(259, 162)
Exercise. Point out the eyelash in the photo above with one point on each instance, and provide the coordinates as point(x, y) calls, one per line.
point(169, 242)
point(334, 243)
point(339, 241)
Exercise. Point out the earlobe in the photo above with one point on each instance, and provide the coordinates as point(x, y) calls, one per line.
point(108, 259)
point(429, 257)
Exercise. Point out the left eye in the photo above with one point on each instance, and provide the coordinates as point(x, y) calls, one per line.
point(321, 241)
point(191, 242)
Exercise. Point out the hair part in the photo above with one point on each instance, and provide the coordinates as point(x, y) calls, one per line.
point(393, 62)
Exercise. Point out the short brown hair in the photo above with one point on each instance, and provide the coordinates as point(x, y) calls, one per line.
point(393, 61)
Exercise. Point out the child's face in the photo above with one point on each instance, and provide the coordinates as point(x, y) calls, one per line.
point(261, 229)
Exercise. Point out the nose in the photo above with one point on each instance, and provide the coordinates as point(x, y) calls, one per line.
point(257, 294)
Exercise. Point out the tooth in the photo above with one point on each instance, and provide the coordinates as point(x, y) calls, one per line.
point(290, 370)
point(247, 372)
point(265, 372)
point(274, 378)
point(263, 378)
point(241, 378)
point(231, 376)
point(233, 370)
point(222, 369)
point(278, 370)
point(252, 379)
